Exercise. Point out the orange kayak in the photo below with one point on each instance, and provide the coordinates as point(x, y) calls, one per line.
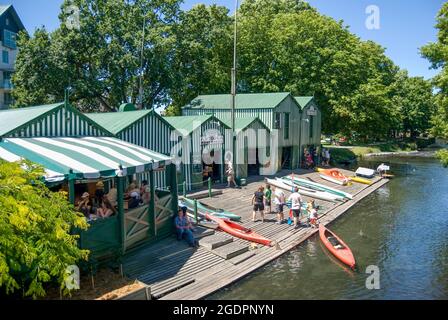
point(239, 231)
point(336, 246)
point(334, 176)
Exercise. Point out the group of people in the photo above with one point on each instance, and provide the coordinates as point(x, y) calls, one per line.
point(311, 157)
point(102, 205)
point(265, 196)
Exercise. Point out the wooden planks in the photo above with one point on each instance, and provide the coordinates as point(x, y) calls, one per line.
point(174, 271)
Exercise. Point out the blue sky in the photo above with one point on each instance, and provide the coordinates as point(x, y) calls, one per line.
point(405, 25)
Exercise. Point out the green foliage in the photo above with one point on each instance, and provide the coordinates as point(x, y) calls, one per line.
point(35, 244)
point(442, 155)
point(437, 54)
point(102, 60)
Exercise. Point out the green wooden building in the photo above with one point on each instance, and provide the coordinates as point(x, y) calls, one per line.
point(145, 128)
point(76, 153)
point(280, 112)
point(195, 136)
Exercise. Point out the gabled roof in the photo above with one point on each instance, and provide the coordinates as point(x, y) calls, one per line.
point(4, 9)
point(243, 123)
point(242, 101)
point(13, 119)
point(116, 122)
point(190, 123)
point(303, 101)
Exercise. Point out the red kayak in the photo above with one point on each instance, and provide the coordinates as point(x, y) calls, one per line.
point(239, 231)
point(334, 176)
point(336, 246)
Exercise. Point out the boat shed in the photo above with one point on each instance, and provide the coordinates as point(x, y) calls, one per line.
point(145, 128)
point(311, 124)
point(252, 147)
point(280, 112)
point(52, 120)
point(201, 148)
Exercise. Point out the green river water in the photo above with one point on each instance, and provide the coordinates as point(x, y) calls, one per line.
point(402, 228)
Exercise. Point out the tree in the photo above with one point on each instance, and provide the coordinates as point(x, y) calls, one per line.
point(437, 54)
point(35, 224)
point(203, 55)
point(101, 60)
point(414, 98)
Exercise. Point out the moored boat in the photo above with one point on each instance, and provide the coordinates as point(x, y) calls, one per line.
point(205, 209)
point(288, 186)
point(333, 175)
point(317, 186)
point(240, 231)
point(365, 172)
point(360, 180)
point(336, 246)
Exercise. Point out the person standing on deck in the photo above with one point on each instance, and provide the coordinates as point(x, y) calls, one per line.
point(258, 203)
point(230, 174)
point(279, 201)
point(268, 196)
point(327, 157)
point(296, 203)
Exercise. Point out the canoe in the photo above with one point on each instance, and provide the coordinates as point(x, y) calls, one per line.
point(333, 175)
point(239, 231)
point(360, 180)
point(288, 185)
point(336, 246)
point(365, 172)
point(204, 209)
point(317, 186)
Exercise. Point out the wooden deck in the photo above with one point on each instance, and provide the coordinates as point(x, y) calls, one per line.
point(176, 272)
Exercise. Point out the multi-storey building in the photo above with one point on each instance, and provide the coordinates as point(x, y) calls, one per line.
point(10, 25)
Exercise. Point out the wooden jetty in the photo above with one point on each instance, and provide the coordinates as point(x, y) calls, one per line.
point(175, 271)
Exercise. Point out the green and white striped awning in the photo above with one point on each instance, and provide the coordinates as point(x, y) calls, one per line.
point(82, 158)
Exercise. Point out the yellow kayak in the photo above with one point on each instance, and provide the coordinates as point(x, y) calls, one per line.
point(360, 180)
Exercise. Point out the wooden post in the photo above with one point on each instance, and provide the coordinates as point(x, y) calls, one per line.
point(209, 187)
point(196, 211)
point(152, 205)
point(71, 190)
point(120, 204)
point(174, 194)
point(184, 188)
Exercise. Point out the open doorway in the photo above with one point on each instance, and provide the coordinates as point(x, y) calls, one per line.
point(253, 169)
point(212, 170)
point(286, 157)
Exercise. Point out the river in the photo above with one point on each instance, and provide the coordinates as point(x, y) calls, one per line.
point(401, 229)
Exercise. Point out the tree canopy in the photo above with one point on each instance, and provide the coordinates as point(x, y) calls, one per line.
point(36, 244)
point(437, 54)
point(282, 46)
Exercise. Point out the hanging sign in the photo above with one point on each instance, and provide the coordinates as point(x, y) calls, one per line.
point(212, 137)
point(311, 111)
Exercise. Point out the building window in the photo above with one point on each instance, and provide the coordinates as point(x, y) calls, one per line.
point(286, 128)
point(7, 21)
point(277, 121)
point(7, 80)
point(311, 126)
point(9, 39)
point(5, 56)
point(7, 98)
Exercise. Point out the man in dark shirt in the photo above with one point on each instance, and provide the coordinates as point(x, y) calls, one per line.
point(258, 203)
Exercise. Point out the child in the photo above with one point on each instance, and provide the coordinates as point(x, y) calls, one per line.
point(267, 197)
point(312, 214)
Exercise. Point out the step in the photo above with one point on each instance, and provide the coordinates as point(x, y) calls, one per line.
point(242, 257)
point(215, 241)
point(230, 250)
point(201, 232)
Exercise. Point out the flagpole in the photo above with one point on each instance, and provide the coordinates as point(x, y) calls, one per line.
point(233, 89)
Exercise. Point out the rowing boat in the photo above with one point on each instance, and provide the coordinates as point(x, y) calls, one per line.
point(336, 246)
point(288, 186)
point(239, 231)
point(205, 209)
point(317, 186)
point(333, 175)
